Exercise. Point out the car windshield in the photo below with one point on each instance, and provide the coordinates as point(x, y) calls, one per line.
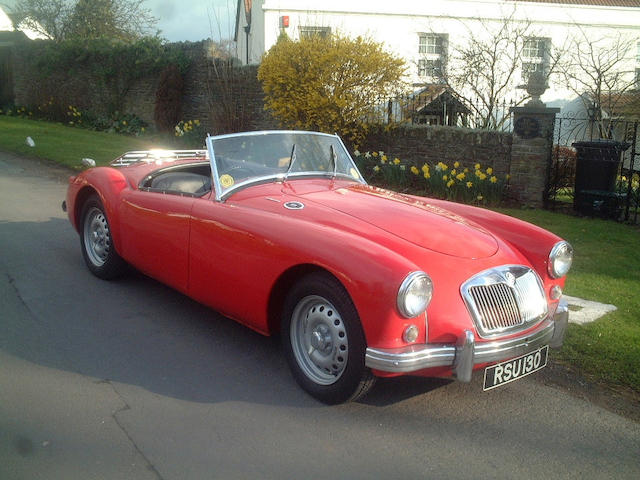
point(243, 159)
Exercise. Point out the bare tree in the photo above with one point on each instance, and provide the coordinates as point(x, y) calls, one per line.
point(64, 19)
point(600, 72)
point(484, 67)
point(46, 17)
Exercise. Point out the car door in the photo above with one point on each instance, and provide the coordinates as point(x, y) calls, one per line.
point(155, 235)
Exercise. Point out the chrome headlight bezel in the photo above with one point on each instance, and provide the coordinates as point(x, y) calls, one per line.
point(560, 259)
point(414, 294)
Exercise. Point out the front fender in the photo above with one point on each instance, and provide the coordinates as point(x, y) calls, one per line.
point(108, 183)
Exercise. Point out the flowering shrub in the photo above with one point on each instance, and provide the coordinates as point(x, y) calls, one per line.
point(477, 185)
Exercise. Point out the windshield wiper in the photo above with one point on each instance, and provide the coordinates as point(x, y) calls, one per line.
point(292, 160)
point(334, 159)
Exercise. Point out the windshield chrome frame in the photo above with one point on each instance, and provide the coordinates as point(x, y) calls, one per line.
point(281, 177)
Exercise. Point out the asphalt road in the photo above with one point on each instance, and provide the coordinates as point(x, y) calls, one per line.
point(128, 380)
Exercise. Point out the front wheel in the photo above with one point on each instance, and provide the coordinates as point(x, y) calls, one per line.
point(323, 340)
point(97, 244)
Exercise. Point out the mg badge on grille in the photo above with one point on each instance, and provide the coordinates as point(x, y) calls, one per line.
point(510, 279)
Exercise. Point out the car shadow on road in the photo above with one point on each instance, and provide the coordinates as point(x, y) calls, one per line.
point(138, 332)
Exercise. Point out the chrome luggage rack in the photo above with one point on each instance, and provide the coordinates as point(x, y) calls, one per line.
point(156, 155)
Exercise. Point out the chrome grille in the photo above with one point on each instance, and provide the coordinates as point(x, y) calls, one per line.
point(505, 299)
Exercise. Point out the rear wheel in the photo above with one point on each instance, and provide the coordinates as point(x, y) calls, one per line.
point(323, 340)
point(97, 244)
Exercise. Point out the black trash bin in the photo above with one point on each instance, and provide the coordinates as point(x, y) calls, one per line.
point(597, 164)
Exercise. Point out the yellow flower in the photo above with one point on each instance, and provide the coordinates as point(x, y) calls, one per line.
point(453, 172)
point(142, 130)
point(493, 179)
point(197, 122)
point(460, 176)
point(477, 167)
point(427, 175)
point(450, 183)
point(124, 122)
point(375, 154)
point(482, 176)
point(479, 197)
point(415, 170)
point(489, 171)
point(466, 170)
point(425, 168)
point(396, 161)
point(376, 169)
point(456, 164)
point(508, 176)
point(383, 158)
point(445, 177)
point(469, 184)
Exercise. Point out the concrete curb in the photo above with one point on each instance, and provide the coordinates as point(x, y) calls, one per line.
point(585, 311)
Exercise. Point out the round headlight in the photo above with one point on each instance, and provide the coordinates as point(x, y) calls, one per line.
point(414, 294)
point(560, 259)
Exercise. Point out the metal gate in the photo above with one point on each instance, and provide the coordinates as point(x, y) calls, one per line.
point(623, 203)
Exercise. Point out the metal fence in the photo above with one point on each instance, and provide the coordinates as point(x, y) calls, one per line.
point(444, 108)
point(619, 202)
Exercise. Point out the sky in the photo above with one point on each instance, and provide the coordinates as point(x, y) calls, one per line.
point(194, 20)
point(191, 20)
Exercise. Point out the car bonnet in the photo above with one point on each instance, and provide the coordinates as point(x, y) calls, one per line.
point(415, 221)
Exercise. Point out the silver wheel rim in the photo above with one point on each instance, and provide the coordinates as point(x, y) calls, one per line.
point(97, 240)
point(319, 340)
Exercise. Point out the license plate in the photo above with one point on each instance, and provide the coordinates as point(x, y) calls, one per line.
point(514, 369)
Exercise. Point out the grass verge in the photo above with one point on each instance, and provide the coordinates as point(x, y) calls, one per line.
point(606, 266)
point(606, 269)
point(67, 145)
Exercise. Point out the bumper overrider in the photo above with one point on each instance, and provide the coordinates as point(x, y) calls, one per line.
point(466, 353)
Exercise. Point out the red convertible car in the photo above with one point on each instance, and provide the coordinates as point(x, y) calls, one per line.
point(279, 231)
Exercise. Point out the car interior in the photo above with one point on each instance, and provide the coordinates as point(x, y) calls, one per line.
point(192, 180)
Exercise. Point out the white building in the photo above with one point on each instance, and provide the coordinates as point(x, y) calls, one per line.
point(425, 32)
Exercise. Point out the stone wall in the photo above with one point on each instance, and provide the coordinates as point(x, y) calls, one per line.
point(222, 99)
point(433, 144)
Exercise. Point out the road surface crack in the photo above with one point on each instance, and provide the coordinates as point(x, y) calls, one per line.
point(114, 415)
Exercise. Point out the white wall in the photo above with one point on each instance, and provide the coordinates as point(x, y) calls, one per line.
point(397, 24)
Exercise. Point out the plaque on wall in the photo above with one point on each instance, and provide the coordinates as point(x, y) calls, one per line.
point(527, 127)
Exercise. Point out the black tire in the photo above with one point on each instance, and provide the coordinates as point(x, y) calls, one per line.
point(98, 250)
point(323, 341)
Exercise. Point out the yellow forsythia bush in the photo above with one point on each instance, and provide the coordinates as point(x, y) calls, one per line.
point(330, 84)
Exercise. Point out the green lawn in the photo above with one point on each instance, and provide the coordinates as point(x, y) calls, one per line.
point(606, 265)
point(68, 145)
point(606, 269)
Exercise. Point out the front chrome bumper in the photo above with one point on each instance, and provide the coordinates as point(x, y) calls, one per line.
point(466, 353)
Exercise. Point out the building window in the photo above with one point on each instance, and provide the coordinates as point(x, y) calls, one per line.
point(431, 43)
point(535, 56)
point(432, 51)
point(308, 32)
point(430, 68)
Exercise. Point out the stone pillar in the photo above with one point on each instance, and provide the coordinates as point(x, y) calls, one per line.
point(531, 153)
